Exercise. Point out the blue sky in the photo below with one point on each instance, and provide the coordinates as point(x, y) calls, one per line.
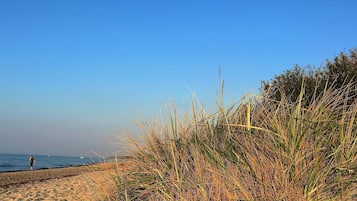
point(75, 73)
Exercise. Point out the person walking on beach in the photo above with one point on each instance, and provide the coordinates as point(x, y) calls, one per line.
point(32, 161)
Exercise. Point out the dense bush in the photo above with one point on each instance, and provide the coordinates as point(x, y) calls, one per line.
point(335, 74)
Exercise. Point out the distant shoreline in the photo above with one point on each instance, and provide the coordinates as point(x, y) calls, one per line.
point(25, 176)
point(56, 167)
point(18, 162)
point(85, 182)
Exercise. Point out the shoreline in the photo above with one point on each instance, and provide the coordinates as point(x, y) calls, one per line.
point(24, 176)
point(56, 167)
point(85, 182)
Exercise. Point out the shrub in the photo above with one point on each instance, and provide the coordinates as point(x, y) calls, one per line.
point(336, 74)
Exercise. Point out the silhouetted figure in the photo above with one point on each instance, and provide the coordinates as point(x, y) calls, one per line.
point(32, 161)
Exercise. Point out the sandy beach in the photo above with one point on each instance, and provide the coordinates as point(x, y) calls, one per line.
point(72, 183)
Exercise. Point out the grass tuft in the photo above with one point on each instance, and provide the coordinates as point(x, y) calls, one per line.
point(257, 149)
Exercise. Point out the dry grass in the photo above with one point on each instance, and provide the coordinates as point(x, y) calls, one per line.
point(254, 150)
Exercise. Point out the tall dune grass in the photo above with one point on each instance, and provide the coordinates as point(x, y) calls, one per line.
point(257, 149)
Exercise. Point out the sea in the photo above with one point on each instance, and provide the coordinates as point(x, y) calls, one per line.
point(19, 162)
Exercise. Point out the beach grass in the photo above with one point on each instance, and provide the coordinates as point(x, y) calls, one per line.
point(256, 149)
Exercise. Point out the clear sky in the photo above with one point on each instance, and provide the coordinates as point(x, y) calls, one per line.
point(75, 73)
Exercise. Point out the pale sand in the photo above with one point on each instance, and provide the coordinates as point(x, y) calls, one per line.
point(75, 183)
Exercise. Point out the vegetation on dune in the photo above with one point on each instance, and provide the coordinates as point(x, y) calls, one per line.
point(262, 148)
point(335, 74)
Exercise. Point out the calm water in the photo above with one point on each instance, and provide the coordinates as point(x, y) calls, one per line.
point(16, 162)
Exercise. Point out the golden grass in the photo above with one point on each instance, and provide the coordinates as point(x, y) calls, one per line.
point(253, 150)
